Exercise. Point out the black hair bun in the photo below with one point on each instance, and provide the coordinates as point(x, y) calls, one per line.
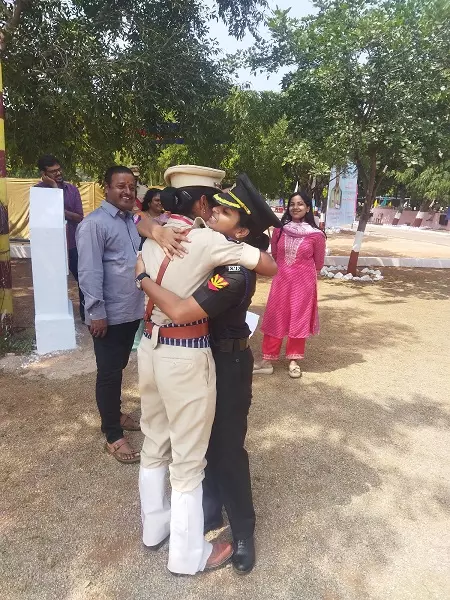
point(176, 200)
point(169, 199)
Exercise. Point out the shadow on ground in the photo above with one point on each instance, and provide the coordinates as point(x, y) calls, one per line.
point(344, 335)
point(71, 515)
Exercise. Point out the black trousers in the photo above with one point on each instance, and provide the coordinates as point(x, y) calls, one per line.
point(112, 353)
point(73, 268)
point(227, 475)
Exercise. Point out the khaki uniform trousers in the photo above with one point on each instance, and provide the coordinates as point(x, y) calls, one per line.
point(178, 396)
point(178, 400)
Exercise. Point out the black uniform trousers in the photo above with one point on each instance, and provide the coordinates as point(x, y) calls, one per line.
point(112, 353)
point(227, 475)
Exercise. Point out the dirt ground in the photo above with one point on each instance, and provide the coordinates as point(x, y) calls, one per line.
point(350, 464)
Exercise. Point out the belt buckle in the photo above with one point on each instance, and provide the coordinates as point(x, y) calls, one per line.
point(155, 335)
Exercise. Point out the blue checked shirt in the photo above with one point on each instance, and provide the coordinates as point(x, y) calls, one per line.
point(107, 242)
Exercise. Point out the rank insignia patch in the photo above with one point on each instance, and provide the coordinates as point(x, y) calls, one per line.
point(217, 283)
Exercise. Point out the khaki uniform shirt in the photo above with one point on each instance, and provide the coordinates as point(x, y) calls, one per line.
point(208, 249)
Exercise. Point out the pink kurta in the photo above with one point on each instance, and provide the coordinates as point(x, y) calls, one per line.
point(292, 305)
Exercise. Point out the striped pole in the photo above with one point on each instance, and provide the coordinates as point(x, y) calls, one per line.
point(398, 216)
point(322, 220)
point(419, 218)
point(6, 304)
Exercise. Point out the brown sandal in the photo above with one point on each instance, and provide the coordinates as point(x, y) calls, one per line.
point(128, 423)
point(113, 449)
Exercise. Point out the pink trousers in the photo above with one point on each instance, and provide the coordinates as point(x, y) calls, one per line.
point(295, 348)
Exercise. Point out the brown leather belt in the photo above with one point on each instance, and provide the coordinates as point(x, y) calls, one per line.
point(231, 345)
point(183, 332)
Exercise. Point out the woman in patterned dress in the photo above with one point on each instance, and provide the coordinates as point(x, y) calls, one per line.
point(299, 250)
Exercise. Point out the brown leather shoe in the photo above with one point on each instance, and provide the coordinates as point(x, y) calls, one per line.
point(220, 555)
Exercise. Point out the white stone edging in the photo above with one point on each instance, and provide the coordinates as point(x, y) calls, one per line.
point(338, 273)
point(389, 261)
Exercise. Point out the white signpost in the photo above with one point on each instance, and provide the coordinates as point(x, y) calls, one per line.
point(342, 196)
point(55, 328)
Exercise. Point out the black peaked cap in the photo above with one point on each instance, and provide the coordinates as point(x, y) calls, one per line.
point(246, 198)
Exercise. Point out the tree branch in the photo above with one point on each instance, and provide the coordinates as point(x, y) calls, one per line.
point(13, 22)
point(19, 6)
point(361, 170)
point(377, 183)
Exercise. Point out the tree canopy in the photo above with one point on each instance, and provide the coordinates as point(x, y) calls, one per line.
point(248, 132)
point(369, 82)
point(84, 79)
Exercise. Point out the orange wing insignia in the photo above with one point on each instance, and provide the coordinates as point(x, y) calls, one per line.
point(217, 282)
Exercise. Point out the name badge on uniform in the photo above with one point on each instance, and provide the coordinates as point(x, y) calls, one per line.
point(233, 268)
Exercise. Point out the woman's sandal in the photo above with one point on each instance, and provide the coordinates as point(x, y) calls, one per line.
point(295, 372)
point(123, 457)
point(129, 424)
point(262, 369)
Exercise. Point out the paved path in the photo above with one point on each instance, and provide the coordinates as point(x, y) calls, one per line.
point(390, 241)
point(440, 238)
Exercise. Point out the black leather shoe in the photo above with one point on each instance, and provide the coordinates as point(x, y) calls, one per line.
point(243, 559)
point(213, 526)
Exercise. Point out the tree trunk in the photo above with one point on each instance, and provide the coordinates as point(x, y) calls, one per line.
point(401, 206)
point(320, 201)
point(323, 214)
point(6, 306)
point(364, 217)
point(423, 211)
point(398, 215)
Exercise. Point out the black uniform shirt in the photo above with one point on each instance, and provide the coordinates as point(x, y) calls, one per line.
point(225, 297)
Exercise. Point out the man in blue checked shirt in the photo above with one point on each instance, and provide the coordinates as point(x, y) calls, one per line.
point(107, 242)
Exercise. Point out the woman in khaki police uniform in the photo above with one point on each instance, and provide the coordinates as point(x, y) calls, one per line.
point(177, 377)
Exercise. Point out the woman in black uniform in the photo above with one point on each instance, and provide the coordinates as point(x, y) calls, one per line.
point(241, 214)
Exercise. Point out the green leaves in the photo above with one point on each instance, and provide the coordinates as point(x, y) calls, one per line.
point(368, 79)
point(249, 132)
point(83, 79)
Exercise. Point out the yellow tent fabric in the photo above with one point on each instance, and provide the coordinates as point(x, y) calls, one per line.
point(18, 201)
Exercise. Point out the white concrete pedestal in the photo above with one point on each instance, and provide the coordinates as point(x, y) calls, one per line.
point(55, 328)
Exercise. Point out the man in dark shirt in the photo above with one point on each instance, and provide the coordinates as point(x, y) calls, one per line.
point(52, 177)
point(225, 298)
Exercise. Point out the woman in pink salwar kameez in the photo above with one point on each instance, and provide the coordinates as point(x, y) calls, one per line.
point(299, 250)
